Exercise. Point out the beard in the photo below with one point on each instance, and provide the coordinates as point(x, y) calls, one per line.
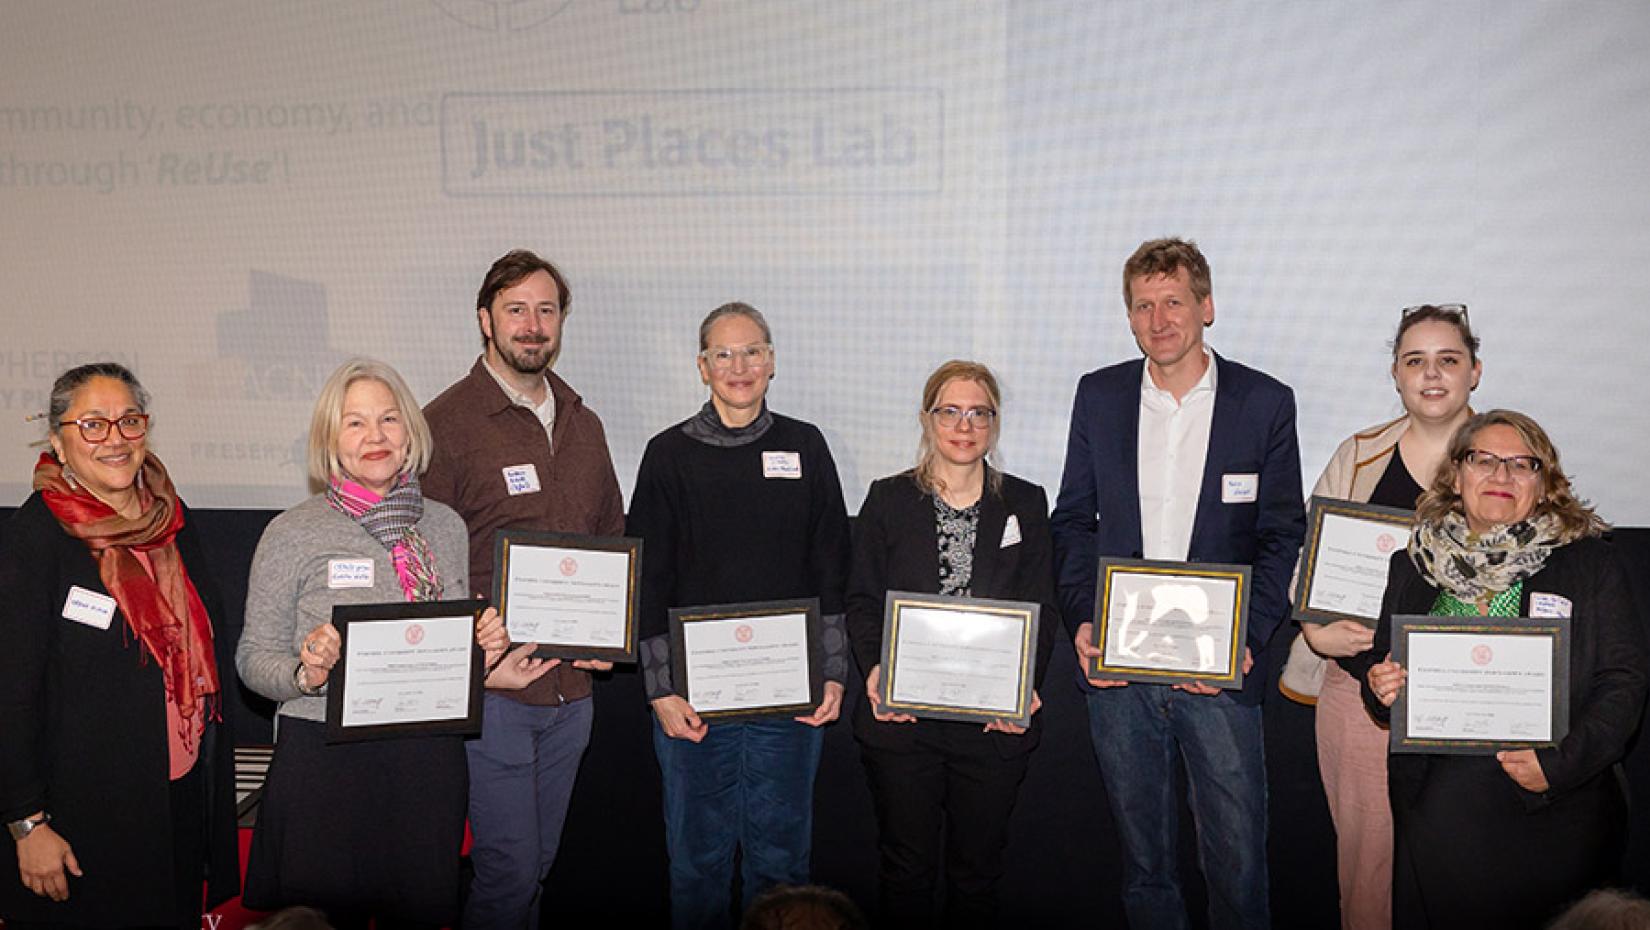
point(528, 359)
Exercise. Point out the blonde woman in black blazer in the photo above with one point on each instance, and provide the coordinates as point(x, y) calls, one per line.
point(951, 525)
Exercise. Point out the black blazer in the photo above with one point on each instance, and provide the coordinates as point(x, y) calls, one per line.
point(896, 548)
point(83, 735)
point(1475, 849)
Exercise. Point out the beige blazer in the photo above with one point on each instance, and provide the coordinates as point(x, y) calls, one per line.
point(1351, 475)
point(1358, 463)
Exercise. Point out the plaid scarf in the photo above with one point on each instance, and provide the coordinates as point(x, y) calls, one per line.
point(164, 612)
point(393, 521)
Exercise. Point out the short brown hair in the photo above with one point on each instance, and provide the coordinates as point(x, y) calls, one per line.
point(1165, 257)
point(802, 907)
point(511, 269)
point(1575, 517)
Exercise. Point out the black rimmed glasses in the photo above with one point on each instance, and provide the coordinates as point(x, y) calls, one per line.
point(96, 429)
point(977, 417)
point(1484, 464)
point(1456, 310)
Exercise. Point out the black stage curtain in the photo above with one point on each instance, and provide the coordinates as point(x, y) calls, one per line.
point(1064, 862)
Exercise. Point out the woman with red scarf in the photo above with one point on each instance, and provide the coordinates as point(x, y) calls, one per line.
point(116, 772)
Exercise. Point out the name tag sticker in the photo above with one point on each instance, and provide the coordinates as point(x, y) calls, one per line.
point(782, 465)
point(88, 607)
point(1239, 489)
point(1549, 606)
point(521, 479)
point(1011, 532)
point(349, 573)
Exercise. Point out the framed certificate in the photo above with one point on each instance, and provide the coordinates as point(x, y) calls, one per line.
point(1171, 622)
point(1478, 685)
point(958, 658)
point(1344, 562)
point(574, 595)
point(748, 660)
point(405, 670)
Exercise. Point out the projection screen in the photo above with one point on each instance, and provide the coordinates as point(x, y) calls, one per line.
point(233, 197)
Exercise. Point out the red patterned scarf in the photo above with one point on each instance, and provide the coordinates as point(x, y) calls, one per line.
point(164, 612)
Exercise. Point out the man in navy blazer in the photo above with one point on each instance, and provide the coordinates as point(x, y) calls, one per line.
point(1182, 456)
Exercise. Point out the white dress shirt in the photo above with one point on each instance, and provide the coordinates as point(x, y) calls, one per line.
point(1174, 443)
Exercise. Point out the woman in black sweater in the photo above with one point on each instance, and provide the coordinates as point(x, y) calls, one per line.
point(737, 504)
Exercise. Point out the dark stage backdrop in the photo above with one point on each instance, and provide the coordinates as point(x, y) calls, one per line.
point(1064, 862)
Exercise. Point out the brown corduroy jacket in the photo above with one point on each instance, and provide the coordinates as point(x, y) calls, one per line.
point(479, 433)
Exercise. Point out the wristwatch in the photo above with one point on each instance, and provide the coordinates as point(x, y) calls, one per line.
point(21, 828)
point(298, 680)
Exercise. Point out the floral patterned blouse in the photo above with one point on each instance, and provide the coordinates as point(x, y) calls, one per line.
point(956, 530)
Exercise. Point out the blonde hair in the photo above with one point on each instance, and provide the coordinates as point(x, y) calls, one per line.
point(926, 468)
point(1576, 518)
point(324, 424)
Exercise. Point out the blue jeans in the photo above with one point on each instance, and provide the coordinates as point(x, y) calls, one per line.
point(1137, 731)
point(521, 780)
point(748, 786)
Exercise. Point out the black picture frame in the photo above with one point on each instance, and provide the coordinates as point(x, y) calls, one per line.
point(506, 541)
point(752, 612)
point(345, 617)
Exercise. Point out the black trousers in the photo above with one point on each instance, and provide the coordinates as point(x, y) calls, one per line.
point(943, 793)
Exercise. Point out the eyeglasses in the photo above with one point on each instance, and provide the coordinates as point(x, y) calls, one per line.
point(96, 429)
point(977, 417)
point(722, 358)
point(1459, 310)
point(1484, 464)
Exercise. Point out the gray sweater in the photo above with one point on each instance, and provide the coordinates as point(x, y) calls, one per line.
point(287, 594)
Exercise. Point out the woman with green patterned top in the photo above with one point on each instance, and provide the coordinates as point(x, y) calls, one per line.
point(1507, 840)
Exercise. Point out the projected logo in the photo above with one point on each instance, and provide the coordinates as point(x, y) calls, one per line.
point(272, 358)
point(700, 143)
point(280, 338)
point(502, 15)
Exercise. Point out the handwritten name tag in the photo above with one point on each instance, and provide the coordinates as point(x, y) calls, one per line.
point(521, 479)
point(88, 607)
point(349, 573)
point(1548, 606)
point(1239, 489)
point(782, 465)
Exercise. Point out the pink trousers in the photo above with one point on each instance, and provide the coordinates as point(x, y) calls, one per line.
point(1352, 752)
